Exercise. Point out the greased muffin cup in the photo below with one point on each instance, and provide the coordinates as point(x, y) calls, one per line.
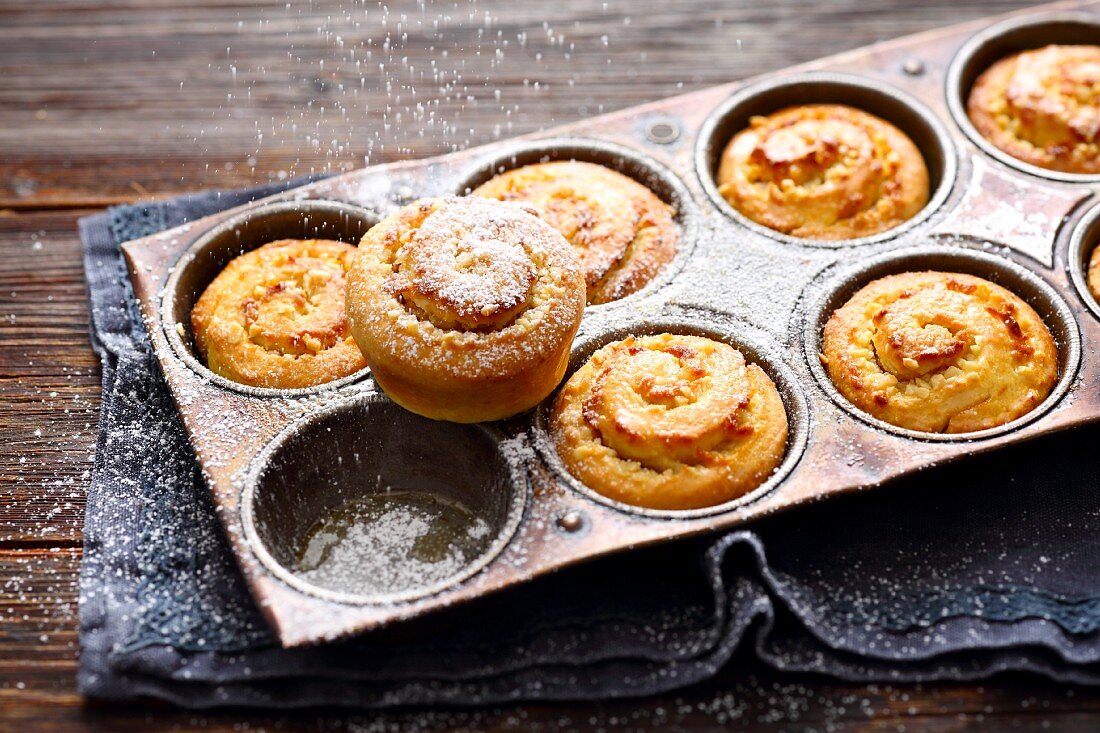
point(363, 448)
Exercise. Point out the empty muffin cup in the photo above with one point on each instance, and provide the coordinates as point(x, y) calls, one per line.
point(366, 503)
point(211, 252)
point(836, 286)
point(1003, 40)
point(911, 117)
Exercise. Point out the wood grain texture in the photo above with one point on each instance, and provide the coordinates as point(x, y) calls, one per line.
point(111, 101)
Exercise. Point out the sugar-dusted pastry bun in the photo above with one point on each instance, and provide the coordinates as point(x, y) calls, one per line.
point(274, 317)
point(623, 233)
point(940, 352)
point(465, 307)
point(1043, 107)
point(824, 171)
point(669, 422)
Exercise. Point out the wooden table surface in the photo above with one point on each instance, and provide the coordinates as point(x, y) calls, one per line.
point(115, 101)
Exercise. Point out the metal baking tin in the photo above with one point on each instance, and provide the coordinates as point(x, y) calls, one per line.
point(733, 280)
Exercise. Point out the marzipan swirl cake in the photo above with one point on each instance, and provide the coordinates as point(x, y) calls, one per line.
point(940, 352)
point(623, 233)
point(824, 171)
point(465, 308)
point(669, 422)
point(274, 317)
point(1043, 107)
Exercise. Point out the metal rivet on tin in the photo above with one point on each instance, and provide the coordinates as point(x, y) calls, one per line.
point(913, 67)
point(571, 521)
point(662, 131)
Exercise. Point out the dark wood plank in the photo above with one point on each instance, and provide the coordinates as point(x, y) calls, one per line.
point(49, 380)
point(109, 101)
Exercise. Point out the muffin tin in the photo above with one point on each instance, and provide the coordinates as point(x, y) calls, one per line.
point(275, 459)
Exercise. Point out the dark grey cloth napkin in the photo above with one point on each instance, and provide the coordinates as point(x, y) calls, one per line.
point(989, 565)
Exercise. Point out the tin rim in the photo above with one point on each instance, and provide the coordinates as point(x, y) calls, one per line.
point(1083, 242)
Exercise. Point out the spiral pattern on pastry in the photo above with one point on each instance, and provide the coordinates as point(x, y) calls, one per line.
point(824, 171)
point(940, 352)
point(669, 422)
point(1043, 107)
point(622, 232)
point(465, 308)
point(274, 317)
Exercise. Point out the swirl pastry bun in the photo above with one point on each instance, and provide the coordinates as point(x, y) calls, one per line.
point(622, 232)
point(940, 352)
point(1043, 107)
point(823, 171)
point(465, 308)
point(274, 317)
point(669, 422)
point(1094, 273)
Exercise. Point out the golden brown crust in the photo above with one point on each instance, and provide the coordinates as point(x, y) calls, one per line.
point(623, 233)
point(670, 422)
point(824, 171)
point(274, 317)
point(1043, 107)
point(465, 308)
point(1094, 273)
point(940, 352)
